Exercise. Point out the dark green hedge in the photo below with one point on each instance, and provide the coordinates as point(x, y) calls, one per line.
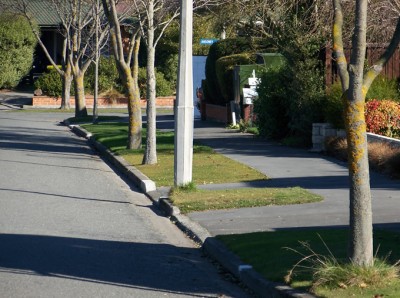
point(228, 47)
point(224, 70)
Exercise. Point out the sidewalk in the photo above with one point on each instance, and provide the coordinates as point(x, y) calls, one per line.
point(290, 167)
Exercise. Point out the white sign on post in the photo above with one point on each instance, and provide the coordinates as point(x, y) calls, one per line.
point(248, 95)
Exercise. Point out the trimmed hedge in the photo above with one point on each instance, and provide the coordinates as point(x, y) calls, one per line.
point(224, 70)
point(227, 47)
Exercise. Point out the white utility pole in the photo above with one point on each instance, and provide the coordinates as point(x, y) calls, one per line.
point(184, 100)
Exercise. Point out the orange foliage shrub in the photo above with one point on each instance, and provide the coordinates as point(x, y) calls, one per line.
point(383, 117)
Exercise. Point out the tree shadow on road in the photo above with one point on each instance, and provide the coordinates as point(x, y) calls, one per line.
point(154, 266)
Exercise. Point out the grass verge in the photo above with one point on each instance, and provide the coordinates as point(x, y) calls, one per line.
point(202, 200)
point(208, 166)
point(90, 119)
point(269, 254)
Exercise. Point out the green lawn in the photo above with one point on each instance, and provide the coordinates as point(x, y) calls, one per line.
point(268, 253)
point(209, 167)
point(202, 200)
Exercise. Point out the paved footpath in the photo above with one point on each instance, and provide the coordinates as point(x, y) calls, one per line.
point(291, 167)
point(70, 227)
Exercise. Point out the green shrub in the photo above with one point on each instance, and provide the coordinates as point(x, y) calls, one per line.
point(163, 87)
point(333, 109)
point(224, 48)
point(305, 93)
point(17, 46)
point(170, 69)
point(108, 78)
point(271, 105)
point(224, 70)
point(50, 83)
point(291, 98)
point(383, 88)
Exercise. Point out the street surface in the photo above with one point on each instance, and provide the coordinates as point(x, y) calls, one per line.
point(71, 227)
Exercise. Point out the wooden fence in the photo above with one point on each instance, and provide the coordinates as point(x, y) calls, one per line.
point(391, 70)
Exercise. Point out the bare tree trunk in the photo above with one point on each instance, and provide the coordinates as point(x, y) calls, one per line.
point(129, 78)
point(134, 109)
point(66, 93)
point(80, 106)
point(66, 77)
point(360, 241)
point(135, 115)
point(150, 155)
point(360, 248)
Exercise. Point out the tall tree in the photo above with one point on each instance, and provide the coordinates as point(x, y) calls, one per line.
point(78, 20)
point(356, 80)
point(155, 16)
point(124, 60)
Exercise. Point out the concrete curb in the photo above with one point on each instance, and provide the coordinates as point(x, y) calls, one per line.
point(214, 248)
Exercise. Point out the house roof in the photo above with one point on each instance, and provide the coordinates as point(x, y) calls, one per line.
point(41, 10)
point(44, 13)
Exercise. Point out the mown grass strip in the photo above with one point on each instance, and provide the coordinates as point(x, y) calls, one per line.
point(268, 253)
point(202, 200)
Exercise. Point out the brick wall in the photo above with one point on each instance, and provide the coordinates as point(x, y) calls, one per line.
point(121, 102)
point(217, 113)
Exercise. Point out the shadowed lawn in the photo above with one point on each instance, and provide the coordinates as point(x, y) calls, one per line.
point(268, 253)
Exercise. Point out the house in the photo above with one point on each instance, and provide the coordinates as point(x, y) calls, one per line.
point(50, 23)
point(50, 28)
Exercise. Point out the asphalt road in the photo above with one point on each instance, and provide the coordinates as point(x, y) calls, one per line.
point(71, 227)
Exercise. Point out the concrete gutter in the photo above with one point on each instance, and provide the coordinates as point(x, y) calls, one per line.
point(214, 248)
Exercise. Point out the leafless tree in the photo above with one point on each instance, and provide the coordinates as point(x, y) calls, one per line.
point(122, 19)
point(78, 22)
point(356, 80)
point(155, 16)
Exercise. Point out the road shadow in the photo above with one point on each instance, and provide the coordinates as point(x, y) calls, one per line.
point(159, 267)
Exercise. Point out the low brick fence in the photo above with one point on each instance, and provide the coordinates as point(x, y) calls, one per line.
point(102, 102)
point(223, 113)
point(217, 113)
